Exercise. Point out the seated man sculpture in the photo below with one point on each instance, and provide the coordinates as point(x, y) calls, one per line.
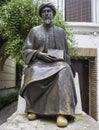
point(48, 84)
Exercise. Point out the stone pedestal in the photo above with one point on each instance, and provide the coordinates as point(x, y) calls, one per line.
point(20, 122)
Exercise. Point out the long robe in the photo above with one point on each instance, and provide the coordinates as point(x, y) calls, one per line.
point(48, 87)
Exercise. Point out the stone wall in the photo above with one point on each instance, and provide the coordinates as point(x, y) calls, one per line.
point(8, 75)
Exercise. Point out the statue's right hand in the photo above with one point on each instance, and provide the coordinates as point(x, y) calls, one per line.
point(45, 57)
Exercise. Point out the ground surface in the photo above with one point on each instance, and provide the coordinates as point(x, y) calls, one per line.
point(7, 111)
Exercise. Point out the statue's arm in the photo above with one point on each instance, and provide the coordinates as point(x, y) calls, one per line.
point(66, 51)
point(67, 55)
point(28, 53)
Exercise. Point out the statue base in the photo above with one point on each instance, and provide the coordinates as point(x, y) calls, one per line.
point(20, 122)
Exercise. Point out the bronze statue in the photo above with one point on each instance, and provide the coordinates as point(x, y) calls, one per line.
point(48, 84)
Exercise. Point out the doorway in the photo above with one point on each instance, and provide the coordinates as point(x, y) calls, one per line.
point(82, 67)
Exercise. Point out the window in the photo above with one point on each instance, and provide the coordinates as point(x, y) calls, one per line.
point(78, 10)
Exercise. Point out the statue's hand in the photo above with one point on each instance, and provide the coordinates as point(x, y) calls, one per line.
point(45, 57)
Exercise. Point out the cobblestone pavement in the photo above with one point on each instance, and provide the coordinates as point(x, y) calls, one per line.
point(7, 112)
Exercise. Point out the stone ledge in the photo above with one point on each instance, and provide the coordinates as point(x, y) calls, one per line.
point(20, 122)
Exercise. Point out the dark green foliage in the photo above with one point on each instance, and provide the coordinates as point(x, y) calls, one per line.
point(9, 98)
point(4, 2)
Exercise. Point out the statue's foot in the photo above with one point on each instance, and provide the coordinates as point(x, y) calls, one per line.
point(61, 121)
point(31, 116)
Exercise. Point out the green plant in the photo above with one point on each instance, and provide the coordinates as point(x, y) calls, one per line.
point(17, 18)
point(4, 2)
point(9, 98)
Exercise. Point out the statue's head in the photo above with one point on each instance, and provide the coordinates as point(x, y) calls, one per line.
point(47, 12)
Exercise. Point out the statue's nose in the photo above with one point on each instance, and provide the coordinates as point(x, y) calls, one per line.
point(46, 12)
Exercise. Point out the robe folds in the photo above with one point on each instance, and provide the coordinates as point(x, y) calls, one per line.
point(48, 88)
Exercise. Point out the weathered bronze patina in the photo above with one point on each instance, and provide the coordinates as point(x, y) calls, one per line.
point(48, 84)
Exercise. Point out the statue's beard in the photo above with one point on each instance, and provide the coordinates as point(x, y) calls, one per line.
point(47, 21)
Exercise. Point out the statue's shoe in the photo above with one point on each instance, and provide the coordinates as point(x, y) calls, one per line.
point(61, 121)
point(31, 116)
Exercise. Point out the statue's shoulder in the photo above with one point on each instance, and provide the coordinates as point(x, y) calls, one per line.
point(59, 29)
point(36, 28)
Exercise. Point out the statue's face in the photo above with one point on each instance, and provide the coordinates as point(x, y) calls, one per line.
point(47, 15)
